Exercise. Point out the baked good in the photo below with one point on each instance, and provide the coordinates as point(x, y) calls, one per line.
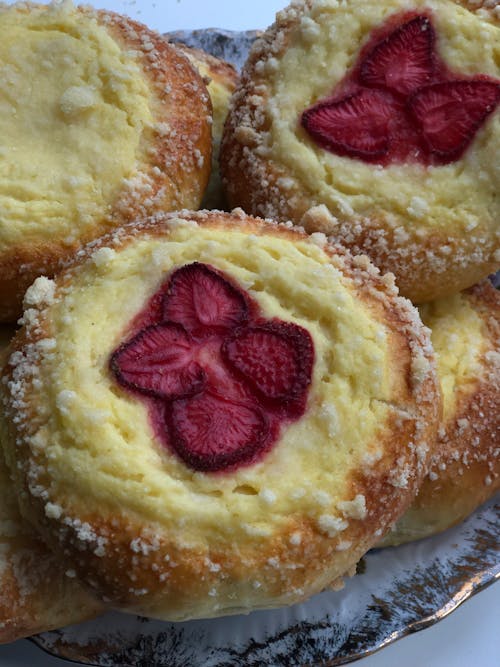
point(221, 79)
point(201, 428)
point(377, 122)
point(117, 125)
point(37, 593)
point(465, 465)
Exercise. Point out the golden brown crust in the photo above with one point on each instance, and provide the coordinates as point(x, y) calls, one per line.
point(465, 467)
point(146, 569)
point(37, 594)
point(18, 269)
point(178, 154)
point(178, 165)
point(426, 266)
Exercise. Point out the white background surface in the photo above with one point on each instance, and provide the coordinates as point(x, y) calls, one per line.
point(470, 636)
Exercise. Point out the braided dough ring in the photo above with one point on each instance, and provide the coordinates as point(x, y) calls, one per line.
point(113, 475)
point(117, 126)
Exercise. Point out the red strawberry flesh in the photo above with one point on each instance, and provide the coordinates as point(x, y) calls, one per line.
point(386, 109)
point(203, 301)
point(358, 125)
point(211, 433)
point(275, 358)
point(450, 113)
point(404, 60)
point(219, 380)
point(159, 361)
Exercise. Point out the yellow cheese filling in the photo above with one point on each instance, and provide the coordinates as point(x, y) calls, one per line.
point(457, 337)
point(98, 439)
point(220, 91)
point(74, 108)
point(220, 94)
point(322, 49)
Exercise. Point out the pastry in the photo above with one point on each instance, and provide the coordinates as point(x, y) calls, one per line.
point(377, 123)
point(201, 428)
point(465, 465)
point(37, 593)
point(117, 125)
point(221, 79)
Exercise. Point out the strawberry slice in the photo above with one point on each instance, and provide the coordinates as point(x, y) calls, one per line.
point(210, 432)
point(404, 60)
point(450, 113)
point(159, 361)
point(358, 125)
point(275, 358)
point(203, 301)
point(218, 379)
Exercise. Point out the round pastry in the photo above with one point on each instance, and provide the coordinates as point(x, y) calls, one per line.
point(465, 465)
point(215, 414)
point(221, 79)
point(377, 123)
point(117, 125)
point(36, 592)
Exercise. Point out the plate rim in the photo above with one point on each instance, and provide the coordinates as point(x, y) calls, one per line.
point(464, 588)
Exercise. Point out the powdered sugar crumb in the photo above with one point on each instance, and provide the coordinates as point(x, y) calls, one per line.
point(53, 511)
point(103, 256)
point(354, 509)
point(41, 293)
point(331, 525)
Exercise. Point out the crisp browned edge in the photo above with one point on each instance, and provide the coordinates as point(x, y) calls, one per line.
point(460, 488)
point(54, 600)
point(252, 182)
point(120, 570)
point(183, 185)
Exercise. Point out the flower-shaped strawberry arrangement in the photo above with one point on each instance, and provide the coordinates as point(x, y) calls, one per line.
point(220, 379)
point(401, 103)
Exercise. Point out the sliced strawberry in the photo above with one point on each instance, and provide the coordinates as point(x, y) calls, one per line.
point(203, 301)
point(216, 405)
point(404, 60)
point(275, 358)
point(450, 113)
point(159, 361)
point(358, 125)
point(211, 433)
